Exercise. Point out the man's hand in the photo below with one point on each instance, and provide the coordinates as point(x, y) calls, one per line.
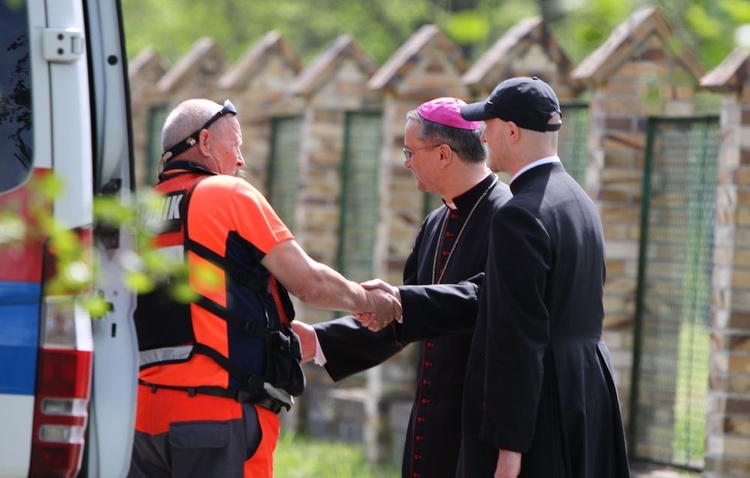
point(385, 305)
point(373, 284)
point(508, 464)
point(306, 335)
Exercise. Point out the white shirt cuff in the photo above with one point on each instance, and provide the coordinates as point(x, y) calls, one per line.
point(320, 358)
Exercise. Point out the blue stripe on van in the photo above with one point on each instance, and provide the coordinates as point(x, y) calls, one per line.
point(19, 336)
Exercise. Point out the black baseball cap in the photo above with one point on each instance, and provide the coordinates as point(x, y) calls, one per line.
point(528, 102)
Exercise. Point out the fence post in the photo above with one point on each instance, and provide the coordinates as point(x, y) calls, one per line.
point(728, 425)
point(428, 65)
point(332, 86)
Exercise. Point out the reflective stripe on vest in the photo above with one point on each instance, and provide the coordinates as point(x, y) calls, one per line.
point(164, 355)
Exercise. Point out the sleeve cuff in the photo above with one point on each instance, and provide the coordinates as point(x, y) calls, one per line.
point(320, 357)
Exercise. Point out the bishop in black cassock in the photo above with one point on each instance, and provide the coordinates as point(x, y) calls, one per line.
point(434, 431)
point(451, 246)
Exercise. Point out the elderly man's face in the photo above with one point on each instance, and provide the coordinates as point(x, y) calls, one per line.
point(422, 158)
point(225, 147)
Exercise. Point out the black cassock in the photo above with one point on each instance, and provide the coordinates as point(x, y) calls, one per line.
point(451, 247)
point(539, 379)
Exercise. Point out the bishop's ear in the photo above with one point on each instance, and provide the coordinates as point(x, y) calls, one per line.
point(446, 155)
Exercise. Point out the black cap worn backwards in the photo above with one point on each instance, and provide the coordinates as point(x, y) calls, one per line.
point(528, 102)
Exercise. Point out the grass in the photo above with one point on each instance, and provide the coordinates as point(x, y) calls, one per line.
point(297, 456)
point(691, 395)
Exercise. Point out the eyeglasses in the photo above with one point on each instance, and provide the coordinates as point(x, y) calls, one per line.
point(408, 153)
point(192, 138)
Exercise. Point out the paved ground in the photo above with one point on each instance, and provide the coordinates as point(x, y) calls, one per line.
point(652, 471)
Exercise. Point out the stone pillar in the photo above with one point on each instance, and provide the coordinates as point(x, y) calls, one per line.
point(258, 85)
point(527, 49)
point(196, 74)
point(331, 87)
point(334, 84)
point(728, 425)
point(633, 75)
point(427, 66)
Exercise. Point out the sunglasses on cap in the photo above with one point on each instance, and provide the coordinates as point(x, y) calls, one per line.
point(192, 138)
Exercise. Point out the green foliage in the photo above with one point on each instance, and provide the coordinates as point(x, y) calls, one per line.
point(703, 25)
point(467, 27)
point(583, 30)
point(301, 457)
point(380, 27)
point(737, 11)
point(12, 228)
point(75, 268)
point(33, 226)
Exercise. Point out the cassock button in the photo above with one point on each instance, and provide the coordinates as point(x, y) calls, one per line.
point(428, 364)
point(454, 215)
point(419, 438)
point(448, 234)
point(425, 401)
point(445, 253)
point(417, 457)
point(420, 419)
point(425, 382)
point(430, 345)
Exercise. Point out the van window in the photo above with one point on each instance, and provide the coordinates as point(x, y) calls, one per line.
point(15, 95)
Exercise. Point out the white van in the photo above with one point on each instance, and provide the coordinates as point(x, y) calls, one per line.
point(67, 380)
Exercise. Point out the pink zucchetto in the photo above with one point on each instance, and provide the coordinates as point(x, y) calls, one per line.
point(447, 111)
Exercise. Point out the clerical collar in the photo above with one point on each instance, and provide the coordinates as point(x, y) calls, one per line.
point(534, 164)
point(470, 197)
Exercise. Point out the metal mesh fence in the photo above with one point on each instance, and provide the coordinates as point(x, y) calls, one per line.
point(157, 114)
point(283, 167)
point(672, 336)
point(572, 147)
point(359, 194)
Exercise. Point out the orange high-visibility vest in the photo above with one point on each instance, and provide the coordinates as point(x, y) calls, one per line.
point(232, 338)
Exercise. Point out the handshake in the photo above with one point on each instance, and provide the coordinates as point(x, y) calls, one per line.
point(384, 305)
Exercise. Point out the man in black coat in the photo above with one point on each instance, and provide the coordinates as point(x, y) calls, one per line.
point(540, 400)
point(447, 157)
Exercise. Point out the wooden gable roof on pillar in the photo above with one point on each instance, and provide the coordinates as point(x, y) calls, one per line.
point(428, 51)
point(271, 56)
point(200, 68)
point(527, 49)
point(625, 41)
point(733, 74)
point(343, 53)
point(145, 70)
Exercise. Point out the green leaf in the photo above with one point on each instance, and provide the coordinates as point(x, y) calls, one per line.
point(467, 27)
point(704, 25)
point(139, 282)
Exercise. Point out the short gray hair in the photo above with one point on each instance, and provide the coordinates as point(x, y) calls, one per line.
point(186, 118)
